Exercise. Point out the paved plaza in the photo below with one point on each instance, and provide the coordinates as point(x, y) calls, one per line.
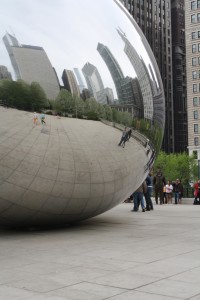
point(119, 255)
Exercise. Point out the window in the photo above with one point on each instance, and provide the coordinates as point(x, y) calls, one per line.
point(198, 34)
point(193, 18)
point(194, 48)
point(198, 17)
point(194, 61)
point(193, 5)
point(199, 47)
point(196, 114)
point(196, 141)
point(194, 88)
point(195, 101)
point(199, 60)
point(193, 35)
point(198, 3)
point(194, 74)
point(195, 154)
point(196, 128)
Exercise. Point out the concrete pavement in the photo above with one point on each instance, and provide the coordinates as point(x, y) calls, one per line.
point(118, 255)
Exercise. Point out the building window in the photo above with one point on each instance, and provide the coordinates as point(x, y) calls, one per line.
point(194, 48)
point(194, 88)
point(199, 47)
point(196, 128)
point(194, 61)
point(196, 141)
point(193, 18)
point(198, 17)
point(196, 114)
point(193, 35)
point(194, 74)
point(193, 5)
point(195, 101)
point(198, 34)
point(198, 3)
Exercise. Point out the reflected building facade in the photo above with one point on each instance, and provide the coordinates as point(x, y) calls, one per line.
point(154, 19)
point(94, 82)
point(70, 82)
point(124, 85)
point(31, 63)
point(79, 79)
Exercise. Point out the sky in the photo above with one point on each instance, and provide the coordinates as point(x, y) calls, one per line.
point(69, 32)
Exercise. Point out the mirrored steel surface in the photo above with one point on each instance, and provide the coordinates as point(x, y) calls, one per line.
point(74, 169)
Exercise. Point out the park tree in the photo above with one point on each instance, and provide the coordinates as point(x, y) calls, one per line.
point(175, 165)
point(37, 96)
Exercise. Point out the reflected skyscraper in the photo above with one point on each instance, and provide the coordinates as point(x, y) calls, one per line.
point(31, 63)
point(80, 80)
point(94, 82)
point(142, 75)
point(70, 82)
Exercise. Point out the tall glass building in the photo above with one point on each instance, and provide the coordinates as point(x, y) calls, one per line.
point(31, 63)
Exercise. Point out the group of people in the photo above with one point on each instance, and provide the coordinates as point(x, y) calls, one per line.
point(163, 192)
point(42, 118)
point(126, 134)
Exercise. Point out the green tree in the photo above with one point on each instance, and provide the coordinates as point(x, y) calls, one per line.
point(37, 96)
point(174, 166)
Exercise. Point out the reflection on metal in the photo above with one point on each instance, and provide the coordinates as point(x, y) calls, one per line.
point(108, 59)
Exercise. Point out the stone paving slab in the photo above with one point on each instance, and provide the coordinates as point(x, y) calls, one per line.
point(119, 255)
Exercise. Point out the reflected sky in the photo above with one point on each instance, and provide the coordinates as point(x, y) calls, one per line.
point(69, 32)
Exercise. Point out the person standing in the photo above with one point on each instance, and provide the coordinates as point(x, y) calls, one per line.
point(138, 197)
point(158, 182)
point(176, 191)
point(180, 192)
point(149, 203)
point(42, 117)
point(124, 135)
point(169, 189)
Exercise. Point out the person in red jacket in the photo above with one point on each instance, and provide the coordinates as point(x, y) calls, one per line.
point(196, 191)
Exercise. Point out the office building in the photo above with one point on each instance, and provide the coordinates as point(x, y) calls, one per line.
point(70, 82)
point(4, 73)
point(31, 64)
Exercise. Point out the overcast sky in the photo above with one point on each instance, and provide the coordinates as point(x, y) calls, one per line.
point(69, 32)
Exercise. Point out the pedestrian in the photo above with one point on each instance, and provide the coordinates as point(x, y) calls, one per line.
point(35, 118)
point(129, 134)
point(180, 192)
point(124, 137)
point(169, 189)
point(158, 182)
point(149, 203)
point(138, 197)
point(164, 195)
point(176, 191)
point(42, 117)
point(196, 193)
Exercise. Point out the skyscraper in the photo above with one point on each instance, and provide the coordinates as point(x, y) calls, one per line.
point(179, 75)
point(192, 33)
point(94, 82)
point(80, 80)
point(31, 63)
point(70, 82)
point(154, 19)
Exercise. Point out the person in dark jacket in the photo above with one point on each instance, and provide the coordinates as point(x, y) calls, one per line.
point(138, 197)
point(149, 203)
point(159, 182)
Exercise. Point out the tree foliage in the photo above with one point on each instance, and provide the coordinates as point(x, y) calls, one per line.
point(21, 95)
point(180, 166)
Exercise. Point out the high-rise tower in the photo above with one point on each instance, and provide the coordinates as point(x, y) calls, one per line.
point(31, 63)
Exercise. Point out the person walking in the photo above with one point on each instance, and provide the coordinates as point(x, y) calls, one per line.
point(138, 197)
point(169, 189)
point(35, 118)
point(158, 182)
point(124, 137)
point(43, 121)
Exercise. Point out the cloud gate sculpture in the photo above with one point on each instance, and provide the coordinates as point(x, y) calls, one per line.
point(71, 169)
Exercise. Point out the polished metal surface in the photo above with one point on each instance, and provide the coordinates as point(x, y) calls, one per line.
point(73, 169)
